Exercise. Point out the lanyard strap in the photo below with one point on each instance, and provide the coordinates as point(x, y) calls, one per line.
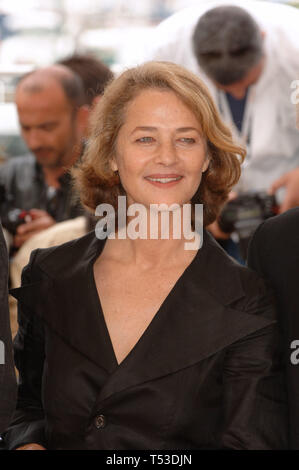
point(243, 136)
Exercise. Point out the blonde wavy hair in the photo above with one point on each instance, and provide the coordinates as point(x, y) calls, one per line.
point(94, 178)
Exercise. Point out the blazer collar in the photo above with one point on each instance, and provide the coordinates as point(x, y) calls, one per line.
point(195, 321)
point(68, 262)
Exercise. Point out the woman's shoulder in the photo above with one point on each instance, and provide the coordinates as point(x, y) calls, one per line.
point(60, 259)
point(223, 297)
point(233, 285)
point(224, 271)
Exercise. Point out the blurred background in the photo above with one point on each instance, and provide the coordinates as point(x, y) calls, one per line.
point(39, 32)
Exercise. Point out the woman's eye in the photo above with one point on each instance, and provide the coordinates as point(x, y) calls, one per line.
point(187, 140)
point(145, 140)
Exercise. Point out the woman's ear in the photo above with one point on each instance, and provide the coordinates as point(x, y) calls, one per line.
point(206, 163)
point(113, 164)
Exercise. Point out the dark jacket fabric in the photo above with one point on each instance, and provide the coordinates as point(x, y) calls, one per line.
point(8, 384)
point(274, 254)
point(25, 188)
point(204, 375)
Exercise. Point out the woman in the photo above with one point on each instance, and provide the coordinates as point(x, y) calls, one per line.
point(139, 343)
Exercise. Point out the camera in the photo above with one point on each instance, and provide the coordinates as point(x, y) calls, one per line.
point(245, 213)
point(11, 218)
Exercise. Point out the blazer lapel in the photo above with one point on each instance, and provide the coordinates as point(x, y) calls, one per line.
point(62, 299)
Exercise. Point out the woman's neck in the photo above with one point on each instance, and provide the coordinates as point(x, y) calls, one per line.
point(149, 253)
point(163, 239)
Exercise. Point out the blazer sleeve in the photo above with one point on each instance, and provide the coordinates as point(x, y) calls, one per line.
point(254, 259)
point(28, 424)
point(255, 408)
point(8, 384)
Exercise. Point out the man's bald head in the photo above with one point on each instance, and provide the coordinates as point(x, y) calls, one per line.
point(40, 80)
point(51, 116)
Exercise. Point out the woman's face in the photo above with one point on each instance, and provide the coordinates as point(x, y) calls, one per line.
point(160, 150)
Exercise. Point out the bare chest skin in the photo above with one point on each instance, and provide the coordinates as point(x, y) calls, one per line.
point(130, 298)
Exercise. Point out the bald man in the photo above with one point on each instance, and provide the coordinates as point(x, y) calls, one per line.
point(52, 119)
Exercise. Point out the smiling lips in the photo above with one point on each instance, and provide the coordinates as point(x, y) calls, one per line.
point(163, 180)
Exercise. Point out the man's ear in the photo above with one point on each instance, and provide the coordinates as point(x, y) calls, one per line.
point(95, 101)
point(82, 120)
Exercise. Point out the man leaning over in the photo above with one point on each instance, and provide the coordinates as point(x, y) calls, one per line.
point(249, 58)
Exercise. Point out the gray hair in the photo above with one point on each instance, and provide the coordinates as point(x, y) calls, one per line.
point(227, 43)
point(94, 74)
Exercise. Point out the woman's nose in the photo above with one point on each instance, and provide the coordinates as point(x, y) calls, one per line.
point(167, 154)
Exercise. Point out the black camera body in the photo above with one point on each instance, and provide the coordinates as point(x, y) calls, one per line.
point(245, 213)
point(11, 218)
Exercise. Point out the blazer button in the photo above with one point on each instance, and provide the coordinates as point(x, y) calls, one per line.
point(100, 421)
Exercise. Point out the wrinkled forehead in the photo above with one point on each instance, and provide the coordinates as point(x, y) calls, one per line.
point(147, 94)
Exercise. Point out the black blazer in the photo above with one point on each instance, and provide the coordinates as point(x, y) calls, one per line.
point(205, 373)
point(8, 384)
point(274, 253)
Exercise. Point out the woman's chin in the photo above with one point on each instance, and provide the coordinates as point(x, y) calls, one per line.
point(157, 202)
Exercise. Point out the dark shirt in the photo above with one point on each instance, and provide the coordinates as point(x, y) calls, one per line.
point(237, 108)
point(8, 385)
point(274, 254)
point(26, 188)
